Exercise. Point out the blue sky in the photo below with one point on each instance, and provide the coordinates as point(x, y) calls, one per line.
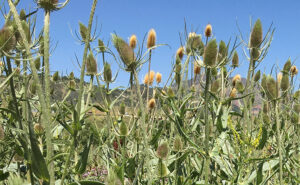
point(126, 17)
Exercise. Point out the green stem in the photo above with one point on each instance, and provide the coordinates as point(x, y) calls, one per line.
point(66, 169)
point(89, 92)
point(149, 69)
point(278, 140)
point(47, 94)
point(86, 47)
point(207, 126)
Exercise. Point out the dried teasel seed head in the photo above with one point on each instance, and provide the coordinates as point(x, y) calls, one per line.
point(37, 63)
point(91, 65)
point(257, 76)
point(83, 31)
point(256, 36)
point(208, 30)
point(123, 129)
point(38, 129)
point(177, 145)
point(122, 109)
point(158, 77)
point(132, 41)
point(151, 38)
point(7, 39)
point(197, 68)
point(235, 79)
point(72, 85)
point(222, 51)
point(235, 59)
point(210, 53)
point(101, 45)
point(125, 51)
point(271, 89)
point(151, 103)
point(55, 77)
point(162, 150)
point(107, 72)
point(149, 78)
point(285, 82)
point(180, 53)
point(22, 14)
point(233, 93)
point(162, 170)
point(294, 70)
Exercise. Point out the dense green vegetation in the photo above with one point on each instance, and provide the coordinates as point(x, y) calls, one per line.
point(203, 126)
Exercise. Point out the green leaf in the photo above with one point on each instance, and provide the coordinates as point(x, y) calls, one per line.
point(259, 176)
point(263, 139)
point(82, 162)
point(87, 183)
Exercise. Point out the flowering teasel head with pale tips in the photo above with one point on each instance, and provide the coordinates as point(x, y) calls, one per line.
point(151, 38)
point(208, 30)
point(132, 41)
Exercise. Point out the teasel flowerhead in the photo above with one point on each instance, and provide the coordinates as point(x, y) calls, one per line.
point(151, 38)
point(294, 70)
point(197, 68)
point(257, 76)
point(7, 39)
point(285, 82)
point(216, 85)
point(222, 51)
point(49, 5)
point(235, 60)
point(271, 88)
point(72, 85)
point(256, 36)
point(180, 53)
point(123, 129)
point(210, 53)
point(287, 67)
point(162, 150)
point(194, 42)
point(151, 103)
point(107, 72)
point(149, 78)
point(255, 53)
point(208, 30)
point(266, 107)
point(83, 31)
point(132, 41)
point(122, 109)
point(37, 63)
point(240, 86)
point(101, 45)
point(158, 77)
point(233, 93)
point(91, 65)
point(177, 145)
point(55, 77)
point(297, 95)
point(32, 87)
point(125, 51)
point(235, 79)
point(38, 129)
point(71, 76)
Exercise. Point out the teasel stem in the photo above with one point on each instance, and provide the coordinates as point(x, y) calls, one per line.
point(45, 114)
point(47, 94)
point(25, 84)
point(10, 12)
point(184, 71)
point(149, 68)
point(89, 92)
point(66, 169)
point(86, 47)
point(13, 92)
point(278, 140)
point(207, 125)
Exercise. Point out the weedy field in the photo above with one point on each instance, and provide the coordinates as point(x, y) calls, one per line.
point(203, 126)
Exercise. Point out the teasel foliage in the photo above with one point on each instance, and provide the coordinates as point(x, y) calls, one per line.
point(202, 124)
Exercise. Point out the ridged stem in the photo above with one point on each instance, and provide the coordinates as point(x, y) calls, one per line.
point(86, 47)
point(207, 125)
point(278, 140)
point(149, 69)
point(47, 95)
